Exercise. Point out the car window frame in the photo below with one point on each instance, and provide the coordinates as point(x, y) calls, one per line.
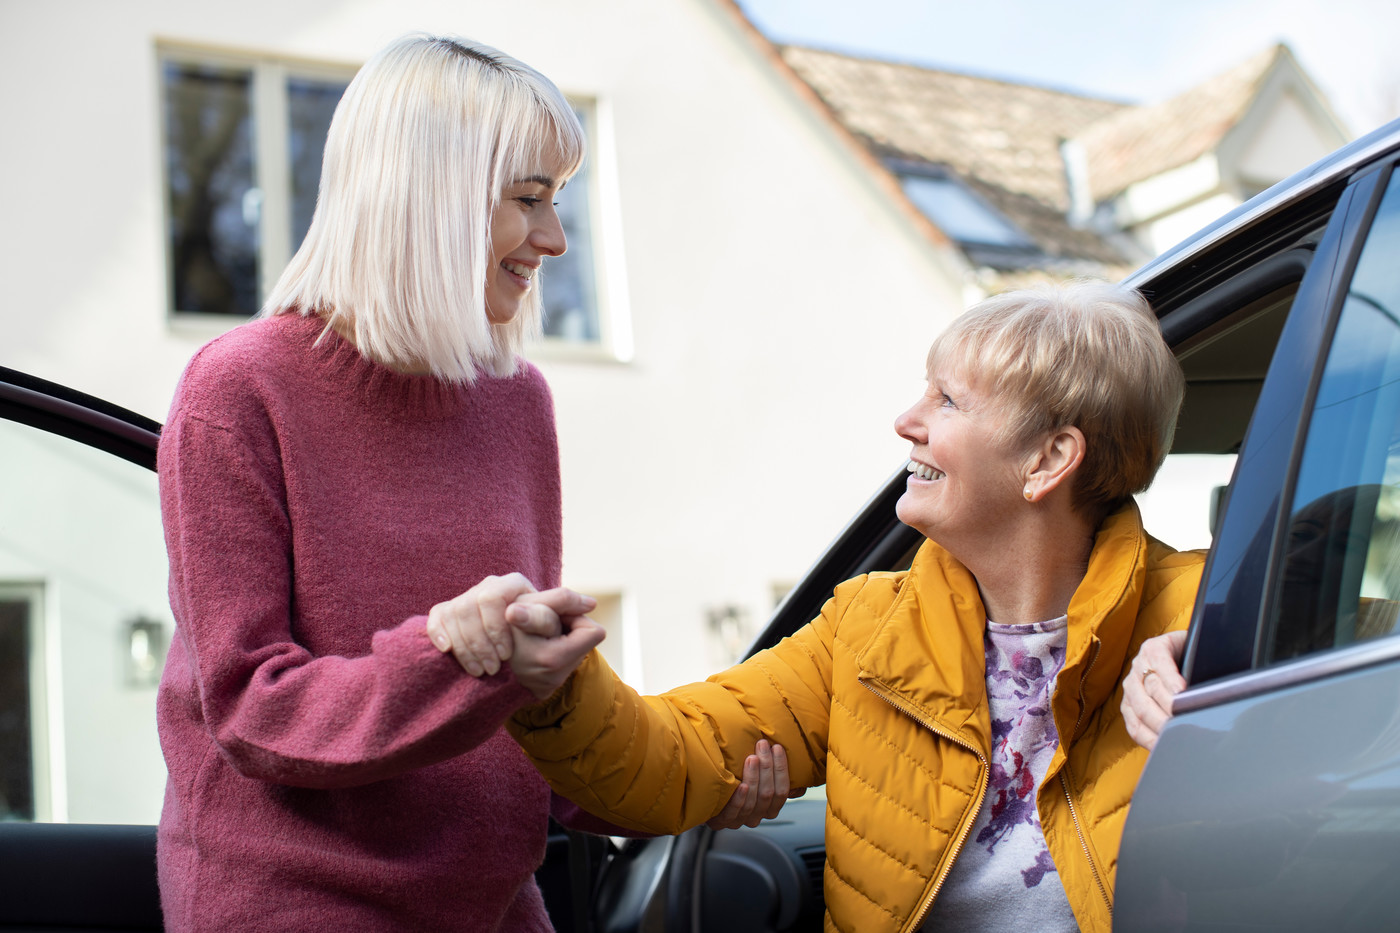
point(1225, 641)
point(89, 420)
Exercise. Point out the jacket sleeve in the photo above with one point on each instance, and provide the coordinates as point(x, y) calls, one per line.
point(571, 816)
point(277, 712)
point(666, 763)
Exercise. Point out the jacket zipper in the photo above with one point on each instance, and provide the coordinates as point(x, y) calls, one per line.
point(981, 794)
point(1083, 844)
point(1069, 799)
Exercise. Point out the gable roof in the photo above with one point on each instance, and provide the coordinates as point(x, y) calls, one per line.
point(1041, 158)
point(1000, 140)
point(1139, 142)
point(1003, 134)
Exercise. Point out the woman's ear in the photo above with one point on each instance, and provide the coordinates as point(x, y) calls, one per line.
point(1053, 462)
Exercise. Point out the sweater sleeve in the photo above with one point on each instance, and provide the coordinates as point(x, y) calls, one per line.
point(277, 712)
point(667, 763)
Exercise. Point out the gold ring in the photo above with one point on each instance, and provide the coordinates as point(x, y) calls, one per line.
point(1145, 672)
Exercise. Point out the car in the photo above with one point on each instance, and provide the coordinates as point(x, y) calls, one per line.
point(1272, 799)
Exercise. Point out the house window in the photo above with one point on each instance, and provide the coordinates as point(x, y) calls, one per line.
point(243, 143)
point(21, 702)
point(957, 211)
point(570, 292)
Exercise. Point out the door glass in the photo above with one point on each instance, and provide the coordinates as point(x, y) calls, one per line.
point(84, 620)
point(1341, 572)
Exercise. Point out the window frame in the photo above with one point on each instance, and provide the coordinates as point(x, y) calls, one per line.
point(1225, 657)
point(1306, 460)
point(611, 296)
point(272, 173)
point(1014, 239)
point(272, 176)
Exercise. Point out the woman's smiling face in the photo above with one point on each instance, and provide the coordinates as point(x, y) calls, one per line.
point(964, 477)
point(524, 229)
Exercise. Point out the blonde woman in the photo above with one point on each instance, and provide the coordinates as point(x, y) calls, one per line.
point(964, 715)
point(368, 451)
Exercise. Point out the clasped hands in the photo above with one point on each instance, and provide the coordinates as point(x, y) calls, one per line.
point(545, 635)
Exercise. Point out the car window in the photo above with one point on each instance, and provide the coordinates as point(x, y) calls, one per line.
point(1340, 580)
point(1225, 363)
point(83, 627)
point(1182, 505)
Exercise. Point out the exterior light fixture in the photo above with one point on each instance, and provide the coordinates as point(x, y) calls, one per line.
point(144, 645)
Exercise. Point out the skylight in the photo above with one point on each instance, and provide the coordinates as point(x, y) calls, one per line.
point(960, 213)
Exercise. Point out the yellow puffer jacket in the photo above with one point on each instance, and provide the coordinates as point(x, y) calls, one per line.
point(883, 698)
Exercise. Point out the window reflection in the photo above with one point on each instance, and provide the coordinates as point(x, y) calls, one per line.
point(224, 155)
point(82, 557)
point(310, 106)
point(1341, 574)
point(16, 708)
point(214, 203)
point(570, 308)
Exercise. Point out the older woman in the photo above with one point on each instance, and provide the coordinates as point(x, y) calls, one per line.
point(964, 714)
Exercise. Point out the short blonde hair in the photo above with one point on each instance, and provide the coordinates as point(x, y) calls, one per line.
point(1084, 354)
point(425, 138)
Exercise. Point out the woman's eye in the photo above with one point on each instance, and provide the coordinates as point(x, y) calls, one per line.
point(529, 200)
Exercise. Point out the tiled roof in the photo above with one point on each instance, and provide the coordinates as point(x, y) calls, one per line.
point(1058, 241)
point(1139, 142)
point(1003, 134)
point(1003, 141)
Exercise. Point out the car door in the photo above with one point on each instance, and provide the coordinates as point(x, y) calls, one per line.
point(1272, 800)
point(84, 623)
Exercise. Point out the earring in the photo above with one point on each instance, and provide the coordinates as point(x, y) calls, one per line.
point(1027, 492)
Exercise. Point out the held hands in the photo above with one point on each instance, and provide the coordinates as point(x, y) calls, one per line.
point(1153, 679)
point(544, 634)
point(762, 792)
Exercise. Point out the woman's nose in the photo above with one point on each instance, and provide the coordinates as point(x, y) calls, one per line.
point(907, 425)
point(548, 235)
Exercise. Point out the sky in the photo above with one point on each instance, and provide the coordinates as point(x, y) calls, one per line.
point(1138, 51)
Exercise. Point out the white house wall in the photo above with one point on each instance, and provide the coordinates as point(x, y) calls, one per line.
point(779, 307)
point(1165, 192)
point(1284, 140)
point(1170, 229)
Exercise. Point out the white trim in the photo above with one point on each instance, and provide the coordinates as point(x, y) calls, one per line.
point(632, 669)
point(272, 174)
point(53, 690)
point(614, 300)
point(1168, 192)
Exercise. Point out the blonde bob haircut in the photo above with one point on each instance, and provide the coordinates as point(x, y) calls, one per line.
point(426, 137)
point(1084, 354)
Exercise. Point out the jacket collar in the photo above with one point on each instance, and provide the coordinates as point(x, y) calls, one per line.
point(928, 648)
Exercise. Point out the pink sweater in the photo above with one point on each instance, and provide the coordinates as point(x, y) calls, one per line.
point(329, 769)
